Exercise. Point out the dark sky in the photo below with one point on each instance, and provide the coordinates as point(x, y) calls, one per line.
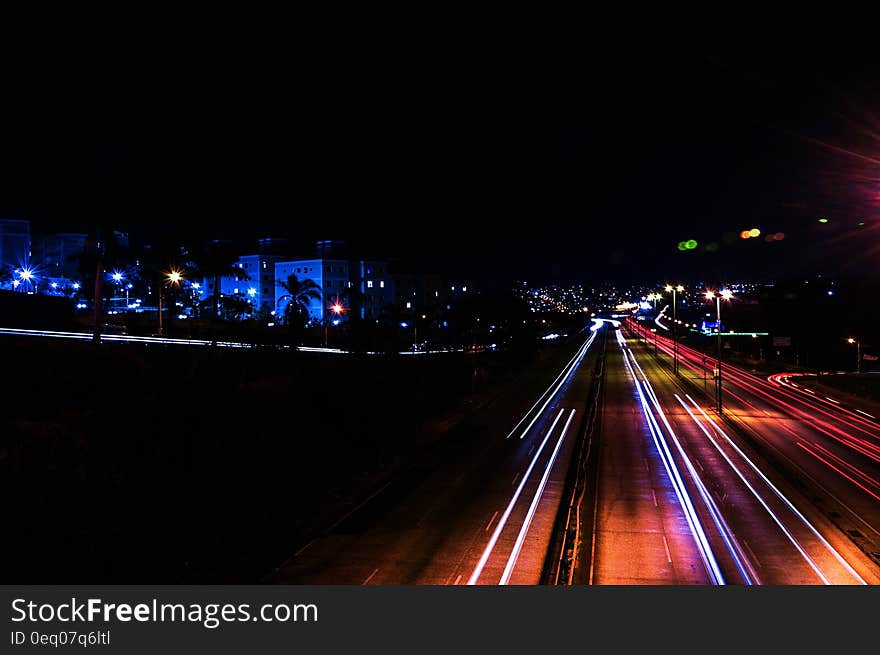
point(552, 147)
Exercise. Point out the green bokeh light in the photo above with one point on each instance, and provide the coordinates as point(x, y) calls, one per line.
point(690, 244)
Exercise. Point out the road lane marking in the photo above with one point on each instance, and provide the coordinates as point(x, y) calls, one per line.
point(654, 494)
point(666, 546)
point(515, 477)
point(491, 521)
point(487, 552)
point(371, 576)
point(524, 530)
point(457, 580)
point(752, 553)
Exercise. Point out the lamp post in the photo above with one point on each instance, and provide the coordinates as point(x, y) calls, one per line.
point(674, 289)
point(858, 343)
point(337, 310)
point(710, 295)
point(173, 277)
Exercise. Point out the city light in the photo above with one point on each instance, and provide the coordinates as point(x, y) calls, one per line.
point(195, 285)
point(117, 276)
point(76, 285)
point(26, 274)
point(337, 308)
point(754, 232)
point(175, 277)
point(54, 285)
point(252, 292)
point(823, 220)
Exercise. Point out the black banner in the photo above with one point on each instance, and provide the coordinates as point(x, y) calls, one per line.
point(289, 619)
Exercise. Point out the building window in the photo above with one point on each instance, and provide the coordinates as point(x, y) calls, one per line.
point(235, 290)
point(369, 284)
point(409, 305)
point(381, 284)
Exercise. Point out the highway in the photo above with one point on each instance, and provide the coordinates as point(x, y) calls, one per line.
point(478, 510)
point(782, 458)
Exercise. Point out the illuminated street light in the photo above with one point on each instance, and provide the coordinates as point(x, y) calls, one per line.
point(76, 286)
point(673, 290)
point(174, 277)
point(252, 292)
point(854, 340)
point(26, 274)
point(726, 294)
point(117, 276)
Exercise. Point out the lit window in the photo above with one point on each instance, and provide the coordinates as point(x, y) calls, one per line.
point(409, 305)
point(235, 290)
point(381, 284)
point(369, 284)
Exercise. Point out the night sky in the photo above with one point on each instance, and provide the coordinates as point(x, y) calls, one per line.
point(551, 148)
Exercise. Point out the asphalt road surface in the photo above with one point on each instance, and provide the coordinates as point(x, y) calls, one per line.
point(481, 510)
point(787, 479)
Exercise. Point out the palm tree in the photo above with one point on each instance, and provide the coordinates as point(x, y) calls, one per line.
point(218, 261)
point(300, 294)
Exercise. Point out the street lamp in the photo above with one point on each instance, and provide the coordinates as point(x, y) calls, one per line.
point(858, 343)
point(726, 294)
point(173, 277)
point(673, 290)
point(337, 308)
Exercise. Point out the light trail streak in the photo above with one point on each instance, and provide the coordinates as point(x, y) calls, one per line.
point(499, 527)
point(521, 537)
point(758, 496)
point(779, 494)
point(693, 520)
point(724, 530)
point(566, 373)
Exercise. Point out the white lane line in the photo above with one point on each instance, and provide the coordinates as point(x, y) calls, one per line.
point(865, 413)
point(779, 494)
point(666, 546)
point(457, 580)
point(516, 477)
point(647, 468)
point(752, 553)
point(491, 521)
point(524, 530)
point(371, 576)
point(654, 494)
point(487, 552)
